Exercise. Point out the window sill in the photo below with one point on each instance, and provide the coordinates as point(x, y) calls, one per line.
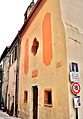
point(48, 105)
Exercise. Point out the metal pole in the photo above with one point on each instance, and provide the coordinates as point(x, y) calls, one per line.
point(76, 113)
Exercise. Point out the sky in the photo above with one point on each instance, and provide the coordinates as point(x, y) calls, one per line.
point(12, 17)
point(11, 20)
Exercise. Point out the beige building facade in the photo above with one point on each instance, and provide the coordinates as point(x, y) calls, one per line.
point(12, 95)
point(44, 54)
point(43, 84)
point(4, 60)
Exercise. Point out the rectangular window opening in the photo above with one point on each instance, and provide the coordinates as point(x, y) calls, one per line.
point(10, 60)
point(48, 98)
point(25, 96)
point(12, 99)
point(74, 67)
point(15, 53)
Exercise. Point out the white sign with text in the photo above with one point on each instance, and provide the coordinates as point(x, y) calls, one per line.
point(75, 76)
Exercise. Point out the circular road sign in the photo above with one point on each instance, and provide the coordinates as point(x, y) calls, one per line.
point(75, 88)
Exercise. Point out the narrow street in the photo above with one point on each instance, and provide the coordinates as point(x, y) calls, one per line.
point(3, 115)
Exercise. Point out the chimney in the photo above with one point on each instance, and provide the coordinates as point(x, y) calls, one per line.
point(33, 1)
point(28, 10)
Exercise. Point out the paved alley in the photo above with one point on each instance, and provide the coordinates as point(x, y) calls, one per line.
point(3, 115)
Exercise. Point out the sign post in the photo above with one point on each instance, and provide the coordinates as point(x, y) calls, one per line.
point(77, 104)
point(76, 90)
point(75, 80)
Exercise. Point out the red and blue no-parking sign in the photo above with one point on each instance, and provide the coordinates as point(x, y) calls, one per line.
point(75, 88)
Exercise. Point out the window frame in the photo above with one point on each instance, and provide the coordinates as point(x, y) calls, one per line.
point(46, 98)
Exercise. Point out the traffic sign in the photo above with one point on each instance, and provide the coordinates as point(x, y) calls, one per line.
point(75, 76)
point(75, 88)
point(77, 103)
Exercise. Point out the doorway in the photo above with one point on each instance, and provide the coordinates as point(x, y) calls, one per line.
point(35, 102)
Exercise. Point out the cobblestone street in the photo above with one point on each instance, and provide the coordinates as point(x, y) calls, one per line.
point(3, 115)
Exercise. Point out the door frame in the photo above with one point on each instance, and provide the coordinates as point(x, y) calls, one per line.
point(31, 101)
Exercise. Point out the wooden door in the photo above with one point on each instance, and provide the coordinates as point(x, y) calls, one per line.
point(35, 102)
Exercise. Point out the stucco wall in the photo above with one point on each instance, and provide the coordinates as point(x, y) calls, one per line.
point(72, 12)
point(52, 76)
point(12, 82)
point(74, 47)
point(5, 78)
point(72, 15)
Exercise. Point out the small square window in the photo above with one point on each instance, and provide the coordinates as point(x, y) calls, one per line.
point(25, 96)
point(48, 98)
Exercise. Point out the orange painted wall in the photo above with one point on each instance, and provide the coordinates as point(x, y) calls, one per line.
point(47, 39)
point(26, 58)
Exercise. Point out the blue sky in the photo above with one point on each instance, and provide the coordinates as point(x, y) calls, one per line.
point(11, 20)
